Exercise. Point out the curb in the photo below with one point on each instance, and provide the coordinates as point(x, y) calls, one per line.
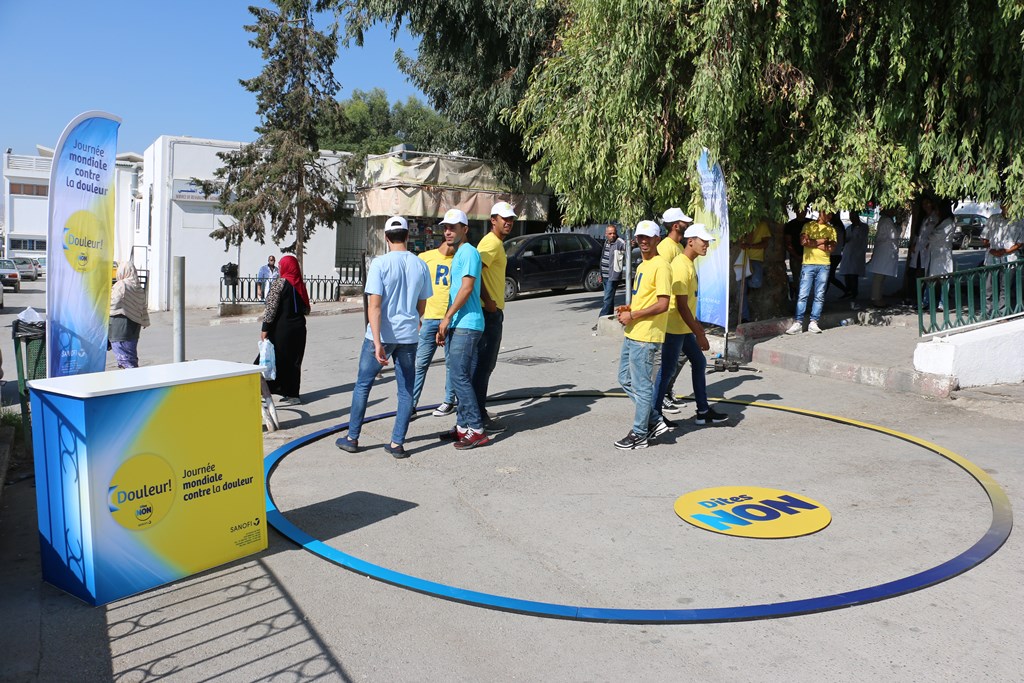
point(890, 379)
point(246, 319)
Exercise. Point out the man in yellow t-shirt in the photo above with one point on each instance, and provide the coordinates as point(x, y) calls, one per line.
point(439, 265)
point(676, 222)
point(695, 341)
point(492, 298)
point(754, 245)
point(645, 320)
point(819, 241)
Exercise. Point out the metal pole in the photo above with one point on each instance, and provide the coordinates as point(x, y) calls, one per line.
point(629, 266)
point(178, 297)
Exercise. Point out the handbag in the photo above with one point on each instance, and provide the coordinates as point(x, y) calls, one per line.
point(268, 359)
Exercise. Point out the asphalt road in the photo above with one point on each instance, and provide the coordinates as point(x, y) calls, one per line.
point(552, 512)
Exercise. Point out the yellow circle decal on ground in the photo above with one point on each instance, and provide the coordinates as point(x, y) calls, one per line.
point(83, 241)
point(753, 512)
point(141, 492)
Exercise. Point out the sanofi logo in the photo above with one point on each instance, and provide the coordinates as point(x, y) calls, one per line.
point(753, 512)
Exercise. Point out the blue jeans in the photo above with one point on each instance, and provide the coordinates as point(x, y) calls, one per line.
point(816, 277)
point(755, 281)
point(608, 304)
point(460, 359)
point(424, 355)
point(487, 355)
point(670, 352)
point(638, 367)
point(698, 370)
point(404, 357)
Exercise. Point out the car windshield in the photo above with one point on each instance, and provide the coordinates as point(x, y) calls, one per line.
point(513, 244)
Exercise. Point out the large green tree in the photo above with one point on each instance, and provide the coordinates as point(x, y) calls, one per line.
point(281, 177)
point(831, 103)
point(474, 62)
point(367, 123)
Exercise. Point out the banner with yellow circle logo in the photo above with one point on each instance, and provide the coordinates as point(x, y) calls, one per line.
point(80, 247)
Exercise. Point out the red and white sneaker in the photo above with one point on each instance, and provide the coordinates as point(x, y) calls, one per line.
point(472, 440)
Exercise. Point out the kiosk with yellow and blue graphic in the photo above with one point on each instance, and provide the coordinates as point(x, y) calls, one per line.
point(148, 475)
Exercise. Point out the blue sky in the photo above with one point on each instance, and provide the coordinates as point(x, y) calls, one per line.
point(166, 68)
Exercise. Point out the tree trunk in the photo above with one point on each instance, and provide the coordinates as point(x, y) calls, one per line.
point(772, 299)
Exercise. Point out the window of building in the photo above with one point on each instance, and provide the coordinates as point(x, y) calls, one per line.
point(28, 244)
point(29, 190)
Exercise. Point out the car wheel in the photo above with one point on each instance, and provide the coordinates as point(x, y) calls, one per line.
point(592, 281)
point(17, 287)
point(511, 289)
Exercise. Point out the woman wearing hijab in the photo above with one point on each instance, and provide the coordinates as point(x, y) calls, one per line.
point(128, 315)
point(284, 324)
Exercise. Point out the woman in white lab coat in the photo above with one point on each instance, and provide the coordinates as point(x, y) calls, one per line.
point(885, 259)
point(940, 241)
point(854, 252)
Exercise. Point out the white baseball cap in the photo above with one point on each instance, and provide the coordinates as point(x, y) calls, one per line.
point(674, 215)
point(698, 230)
point(503, 209)
point(648, 229)
point(396, 223)
point(454, 217)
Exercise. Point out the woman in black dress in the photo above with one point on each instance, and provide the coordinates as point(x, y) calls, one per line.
point(284, 324)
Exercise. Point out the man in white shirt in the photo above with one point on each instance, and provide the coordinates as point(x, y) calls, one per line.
point(1002, 239)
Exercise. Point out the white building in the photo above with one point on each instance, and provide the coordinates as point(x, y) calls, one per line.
point(26, 181)
point(178, 221)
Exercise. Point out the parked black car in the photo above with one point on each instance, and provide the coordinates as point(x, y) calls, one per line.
point(969, 227)
point(554, 260)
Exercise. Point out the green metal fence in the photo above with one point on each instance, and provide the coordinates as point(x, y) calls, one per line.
point(970, 297)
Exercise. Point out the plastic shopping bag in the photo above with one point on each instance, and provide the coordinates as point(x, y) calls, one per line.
point(268, 360)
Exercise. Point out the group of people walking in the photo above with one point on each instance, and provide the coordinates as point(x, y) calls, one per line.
point(661, 328)
point(451, 297)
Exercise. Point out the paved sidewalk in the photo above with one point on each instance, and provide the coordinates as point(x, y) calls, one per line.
point(551, 511)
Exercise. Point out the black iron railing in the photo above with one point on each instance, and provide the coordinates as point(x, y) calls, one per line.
point(242, 290)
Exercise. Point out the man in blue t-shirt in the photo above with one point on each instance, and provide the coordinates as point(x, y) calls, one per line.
point(461, 328)
point(397, 287)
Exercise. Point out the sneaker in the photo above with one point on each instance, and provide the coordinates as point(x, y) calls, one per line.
point(669, 406)
point(660, 427)
point(813, 327)
point(710, 416)
point(631, 441)
point(795, 328)
point(443, 409)
point(452, 434)
point(472, 440)
point(347, 444)
point(493, 425)
point(289, 401)
point(397, 452)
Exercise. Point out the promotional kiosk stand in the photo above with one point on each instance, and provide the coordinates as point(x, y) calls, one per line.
point(148, 475)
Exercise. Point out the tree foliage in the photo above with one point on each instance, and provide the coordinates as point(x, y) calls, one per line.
point(474, 62)
point(367, 123)
point(831, 103)
point(280, 177)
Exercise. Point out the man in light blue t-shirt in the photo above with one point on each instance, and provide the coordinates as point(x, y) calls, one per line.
point(397, 287)
point(461, 328)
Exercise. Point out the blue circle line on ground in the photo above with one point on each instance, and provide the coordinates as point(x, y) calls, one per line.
point(988, 544)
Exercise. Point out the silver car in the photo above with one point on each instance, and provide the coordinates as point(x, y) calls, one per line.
point(26, 267)
point(9, 275)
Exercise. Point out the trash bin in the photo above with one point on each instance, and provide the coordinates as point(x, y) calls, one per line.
point(30, 356)
point(230, 280)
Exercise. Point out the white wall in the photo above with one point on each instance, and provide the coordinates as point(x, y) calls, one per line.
point(181, 226)
point(990, 355)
